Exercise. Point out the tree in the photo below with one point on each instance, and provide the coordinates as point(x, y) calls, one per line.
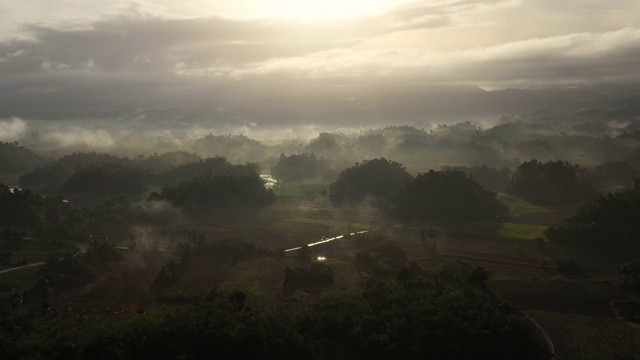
point(445, 196)
point(413, 319)
point(296, 167)
point(227, 196)
point(236, 148)
point(379, 179)
point(16, 159)
point(489, 178)
point(612, 174)
point(314, 275)
point(166, 161)
point(99, 183)
point(215, 166)
point(607, 227)
point(325, 144)
point(552, 183)
point(41, 179)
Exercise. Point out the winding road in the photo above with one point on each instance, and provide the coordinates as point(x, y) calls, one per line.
point(335, 238)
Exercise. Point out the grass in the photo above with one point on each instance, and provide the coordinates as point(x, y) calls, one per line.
point(522, 231)
point(490, 228)
point(519, 206)
point(20, 280)
point(498, 229)
point(589, 338)
point(300, 189)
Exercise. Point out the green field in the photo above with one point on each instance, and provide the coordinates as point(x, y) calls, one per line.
point(518, 206)
point(521, 231)
point(496, 229)
point(301, 189)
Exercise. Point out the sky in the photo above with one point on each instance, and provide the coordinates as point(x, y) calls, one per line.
point(71, 57)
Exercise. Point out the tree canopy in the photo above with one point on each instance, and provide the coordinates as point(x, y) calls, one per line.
point(208, 167)
point(489, 178)
point(552, 183)
point(607, 227)
point(16, 159)
point(236, 148)
point(612, 174)
point(49, 177)
point(448, 315)
point(296, 167)
point(445, 195)
point(377, 178)
point(158, 163)
point(221, 195)
point(98, 183)
point(25, 210)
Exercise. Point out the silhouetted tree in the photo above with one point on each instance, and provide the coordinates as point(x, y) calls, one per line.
point(216, 166)
point(607, 227)
point(296, 167)
point(16, 159)
point(447, 195)
point(379, 179)
point(99, 183)
point(166, 161)
point(551, 183)
point(221, 195)
point(612, 174)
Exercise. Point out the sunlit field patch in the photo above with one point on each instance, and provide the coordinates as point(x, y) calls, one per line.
point(521, 231)
point(518, 206)
point(309, 189)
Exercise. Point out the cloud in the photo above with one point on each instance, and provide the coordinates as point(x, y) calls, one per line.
point(76, 136)
point(585, 57)
point(216, 46)
point(142, 43)
point(131, 44)
point(280, 69)
point(12, 129)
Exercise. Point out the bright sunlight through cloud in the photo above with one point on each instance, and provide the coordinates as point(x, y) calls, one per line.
point(320, 10)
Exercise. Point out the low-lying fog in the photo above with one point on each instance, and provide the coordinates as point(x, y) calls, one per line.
point(587, 137)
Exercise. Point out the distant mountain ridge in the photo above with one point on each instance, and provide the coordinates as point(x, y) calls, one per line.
point(397, 106)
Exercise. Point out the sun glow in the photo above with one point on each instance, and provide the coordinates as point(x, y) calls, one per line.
point(323, 10)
